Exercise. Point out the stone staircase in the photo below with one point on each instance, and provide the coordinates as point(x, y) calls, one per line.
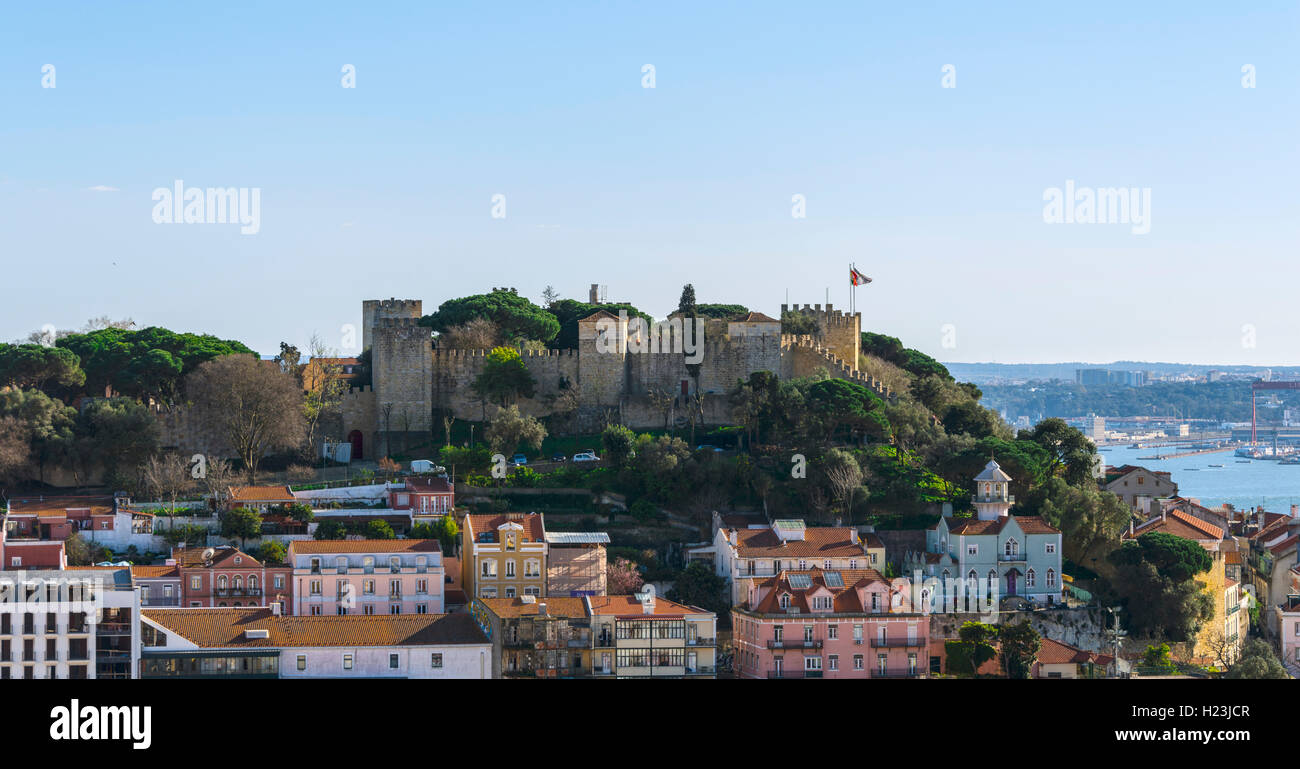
point(837, 367)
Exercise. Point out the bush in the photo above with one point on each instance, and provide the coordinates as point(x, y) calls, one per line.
point(644, 511)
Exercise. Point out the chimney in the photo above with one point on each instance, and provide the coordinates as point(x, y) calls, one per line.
point(1130, 525)
point(734, 537)
point(275, 607)
point(648, 604)
point(947, 509)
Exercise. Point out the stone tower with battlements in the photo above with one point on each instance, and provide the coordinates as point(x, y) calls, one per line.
point(375, 310)
point(840, 332)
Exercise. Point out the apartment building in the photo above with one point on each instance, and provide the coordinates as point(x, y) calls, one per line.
point(228, 577)
point(743, 556)
point(160, 586)
point(367, 577)
point(536, 637)
point(425, 497)
point(575, 563)
point(75, 623)
point(503, 556)
point(257, 642)
point(828, 624)
point(644, 636)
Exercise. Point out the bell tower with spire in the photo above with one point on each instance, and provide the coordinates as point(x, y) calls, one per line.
point(992, 499)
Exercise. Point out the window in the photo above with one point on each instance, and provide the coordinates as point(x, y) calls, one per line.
point(368, 586)
point(422, 608)
point(532, 590)
point(347, 661)
point(1050, 548)
point(972, 550)
point(812, 663)
point(315, 611)
point(315, 587)
point(279, 582)
point(803, 565)
point(1051, 578)
point(395, 608)
point(857, 662)
point(392, 662)
point(315, 565)
point(302, 661)
point(857, 634)
point(196, 583)
point(421, 586)
point(368, 609)
point(832, 632)
point(833, 662)
point(510, 592)
point(489, 567)
point(532, 568)
point(1011, 547)
point(395, 587)
point(826, 564)
point(395, 563)
point(853, 563)
point(1029, 578)
point(510, 568)
point(435, 660)
point(785, 600)
point(875, 602)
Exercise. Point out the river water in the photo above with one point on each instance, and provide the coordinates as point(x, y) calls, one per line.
point(1243, 485)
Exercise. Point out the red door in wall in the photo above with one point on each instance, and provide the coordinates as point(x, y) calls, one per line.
point(355, 439)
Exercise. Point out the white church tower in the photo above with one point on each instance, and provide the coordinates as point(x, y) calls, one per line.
point(992, 501)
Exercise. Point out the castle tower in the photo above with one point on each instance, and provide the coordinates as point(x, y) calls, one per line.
point(375, 310)
point(402, 371)
point(839, 332)
point(992, 500)
point(602, 352)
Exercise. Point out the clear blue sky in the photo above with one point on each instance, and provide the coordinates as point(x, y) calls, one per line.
point(385, 189)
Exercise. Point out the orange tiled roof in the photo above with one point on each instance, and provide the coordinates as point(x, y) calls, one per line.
point(1056, 653)
point(756, 317)
point(532, 523)
point(818, 542)
point(154, 572)
point(224, 628)
point(428, 485)
point(192, 557)
point(516, 607)
point(628, 604)
point(98, 504)
point(1179, 524)
point(844, 599)
point(261, 494)
point(1029, 524)
point(313, 547)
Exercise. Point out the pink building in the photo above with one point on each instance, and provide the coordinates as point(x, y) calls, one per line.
point(425, 497)
point(828, 624)
point(367, 576)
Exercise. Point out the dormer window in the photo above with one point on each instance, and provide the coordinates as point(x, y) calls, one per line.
point(785, 600)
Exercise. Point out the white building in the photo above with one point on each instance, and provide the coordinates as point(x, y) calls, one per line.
point(257, 642)
point(78, 623)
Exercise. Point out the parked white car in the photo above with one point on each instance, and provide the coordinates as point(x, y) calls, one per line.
point(585, 456)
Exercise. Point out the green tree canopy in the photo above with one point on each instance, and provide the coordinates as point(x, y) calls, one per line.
point(504, 378)
point(517, 318)
point(150, 362)
point(34, 365)
point(569, 311)
point(241, 523)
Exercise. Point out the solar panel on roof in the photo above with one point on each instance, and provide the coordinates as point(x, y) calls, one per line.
point(833, 579)
point(800, 581)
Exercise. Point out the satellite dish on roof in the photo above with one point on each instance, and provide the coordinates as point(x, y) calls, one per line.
point(208, 553)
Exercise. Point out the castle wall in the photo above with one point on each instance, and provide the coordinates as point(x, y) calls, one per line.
point(358, 409)
point(402, 365)
point(840, 332)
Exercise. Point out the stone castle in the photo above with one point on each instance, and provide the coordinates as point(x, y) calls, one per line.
point(414, 383)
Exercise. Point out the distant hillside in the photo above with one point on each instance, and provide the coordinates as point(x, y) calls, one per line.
point(987, 373)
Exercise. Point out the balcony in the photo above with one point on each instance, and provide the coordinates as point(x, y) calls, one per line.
point(799, 644)
point(794, 674)
point(163, 601)
point(1234, 609)
point(1010, 499)
point(900, 673)
point(701, 670)
point(113, 628)
point(1012, 558)
point(701, 642)
point(237, 591)
point(896, 643)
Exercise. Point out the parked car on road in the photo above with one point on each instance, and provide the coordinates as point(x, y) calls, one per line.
point(518, 460)
point(586, 456)
point(559, 458)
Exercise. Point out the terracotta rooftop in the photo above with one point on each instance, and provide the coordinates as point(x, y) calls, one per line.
point(192, 557)
point(99, 504)
point(532, 523)
point(755, 317)
point(428, 485)
point(517, 607)
point(1179, 524)
point(154, 572)
point(1030, 524)
point(224, 628)
point(818, 542)
point(325, 546)
point(844, 591)
point(1056, 653)
point(628, 604)
point(261, 494)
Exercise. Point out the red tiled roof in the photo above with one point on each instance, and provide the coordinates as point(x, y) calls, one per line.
point(330, 546)
point(1056, 653)
point(843, 599)
point(1029, 524)
point(628, 604)
point(517, 607)
point(261, 494)
point(532, 523)
point(818, 542)
point(225, 628)
point(1179, 524)
point(154, 572)
point(428, 485)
